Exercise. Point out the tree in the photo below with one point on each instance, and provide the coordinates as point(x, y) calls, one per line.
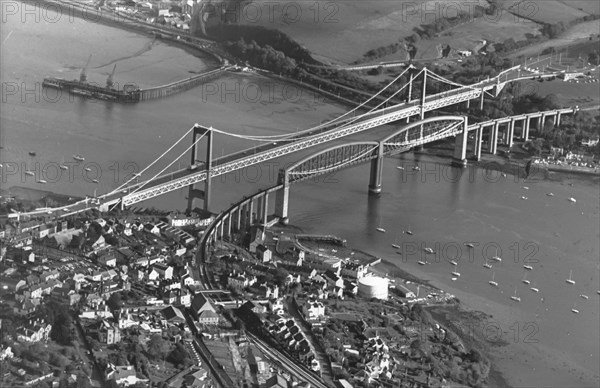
point(157, 347)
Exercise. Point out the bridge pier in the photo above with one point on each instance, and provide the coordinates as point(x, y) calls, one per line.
point(478, 142)
point(481, 99)
point(376, 175)
point(459, 158)
point(527, 126)
point(251, 212)
point(238, 218)
point(494, 139)
point(194, 193)
point(265, 209)
point(229, 225)
point(282, 198)
point(511, 133)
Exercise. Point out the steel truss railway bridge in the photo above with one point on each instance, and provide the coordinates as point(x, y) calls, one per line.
point(420, 131)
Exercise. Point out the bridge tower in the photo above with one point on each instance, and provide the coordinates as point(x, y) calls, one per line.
point(207, 165)
point(376, 175)
point(459, 159)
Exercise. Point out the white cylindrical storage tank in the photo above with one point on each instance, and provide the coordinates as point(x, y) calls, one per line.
point(373, 287)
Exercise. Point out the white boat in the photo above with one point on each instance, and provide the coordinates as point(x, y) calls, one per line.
point(525, 280)
point(416, 168)
point(470, 245)
point(62, 166)
point(400, 168)
point(30, 173)
point(428, 250)
point(584, 296)
point(78, 158)
point(525, 188)
point(550, 194)
point(572, 199)
point(515, 297)
point(528, 267)
point(493, 282)
point(95, 180)
point(87, 169)
point(496, 257)
point(381, 230)
point(454, 279)
point(421, 262)
point(396, 246)
point(523, 197)
point(453, 262)
point(41, 181)
point(574, 310)
point(455, 272)
point(570, 280)
point(409, 232)
point(487, 265)
point(535, 289)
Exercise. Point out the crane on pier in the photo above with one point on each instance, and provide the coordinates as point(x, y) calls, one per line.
point(83, 75)
point(109, 80)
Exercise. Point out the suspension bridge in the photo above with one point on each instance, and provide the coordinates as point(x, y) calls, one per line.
point(420, 131)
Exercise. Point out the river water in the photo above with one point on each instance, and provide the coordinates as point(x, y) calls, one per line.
point(444, 207)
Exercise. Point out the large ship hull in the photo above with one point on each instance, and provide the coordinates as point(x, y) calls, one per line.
point(91, 91)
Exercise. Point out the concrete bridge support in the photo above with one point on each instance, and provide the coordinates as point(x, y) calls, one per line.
point(265, 209)
point(481, 99)
point(494, 139)
point(511, 133)
point(229, 225)
point(251, 212)
point(238, 218)
point(282, 198)
point(526, 127)
point(478, 142)
point(194, 193)
point(376, 175)
point(459, 158)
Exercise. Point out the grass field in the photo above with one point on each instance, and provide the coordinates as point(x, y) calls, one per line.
point(552, 11)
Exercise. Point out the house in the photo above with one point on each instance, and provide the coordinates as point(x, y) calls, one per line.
point(238, 282)
point(254, 307)
point(35, 331)
point(173, 315)
point(122, 375)
point(277, 381)
point(263, 253)
point(203, 311)
point(333, 279)
point(164, 271)
point(108, 333)
point(169, 297)
point(313, 310)
point(27, 255)
point(126, 254)
point(108, 260)
point(354, 270)
point(150, 228)
point(184, 298)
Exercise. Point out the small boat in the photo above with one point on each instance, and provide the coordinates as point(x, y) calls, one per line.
point(409, 232)
point(381, 230)
point(535, 289)
point(570, 280)
point(528, 267)
point(428, 250)
point(62, 166)
point(503, 175)
point(493, 282)
point(525, 280)
point(29, 172)
point(400, 168)
point(550, 194)
point(32, 153)
point(95, 180)
point(454, 279)
point(584, 296)
point(470, 245)
point(416, 168)
point(572, 200)
point(87, 169)
point(41, 181)
point(496, 257)
point(574, 310)
point(396, 246)
point(525, 188)
point(457, 274)
point(421, 262)
point(78, 158)
point(487, 265)
point(515, 297)
point(523, 197)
